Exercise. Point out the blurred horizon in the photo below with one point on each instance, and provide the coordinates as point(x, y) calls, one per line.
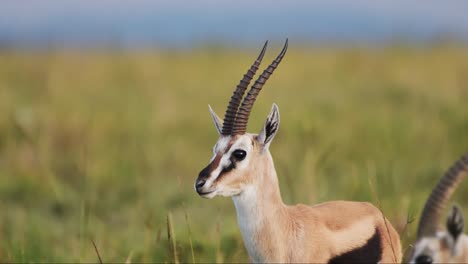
point(181, 24)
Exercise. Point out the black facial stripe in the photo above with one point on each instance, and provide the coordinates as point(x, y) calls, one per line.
point(205, 172)
point(226, 170)
point(230, 167)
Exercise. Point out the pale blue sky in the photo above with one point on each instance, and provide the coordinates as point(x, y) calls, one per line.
point(186, 23)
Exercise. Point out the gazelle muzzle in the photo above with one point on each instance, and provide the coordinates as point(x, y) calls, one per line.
point(205, 174)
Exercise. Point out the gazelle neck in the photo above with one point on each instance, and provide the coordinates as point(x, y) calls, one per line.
point(260, 210)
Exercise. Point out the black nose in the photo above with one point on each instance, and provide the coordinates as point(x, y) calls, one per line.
point(423, 259)
point(199, 184)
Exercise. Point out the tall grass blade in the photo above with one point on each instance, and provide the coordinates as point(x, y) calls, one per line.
point(374, 192)
point(129, 258)
point(171, 239)
point(189, 235)
point(219, 253)
point(97, 251)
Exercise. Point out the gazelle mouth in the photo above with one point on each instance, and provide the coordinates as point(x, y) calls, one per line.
point(205, 193)
point(209, 194)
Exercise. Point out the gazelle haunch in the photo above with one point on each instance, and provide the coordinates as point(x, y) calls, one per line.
point(242, 168)
point(432, 245)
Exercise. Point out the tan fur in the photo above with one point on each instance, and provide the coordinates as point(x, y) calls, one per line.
point(313, 236)
point(275, 232)
point(464, 255)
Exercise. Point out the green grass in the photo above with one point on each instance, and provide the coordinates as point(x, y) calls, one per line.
point(105, 146)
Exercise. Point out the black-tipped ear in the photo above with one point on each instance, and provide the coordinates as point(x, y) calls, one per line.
point(270, 128)
point(455, 223)
point(217, 121)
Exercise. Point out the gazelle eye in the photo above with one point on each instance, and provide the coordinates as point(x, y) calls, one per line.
point(239, 154)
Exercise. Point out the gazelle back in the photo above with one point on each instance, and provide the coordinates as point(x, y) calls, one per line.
point(242, 168)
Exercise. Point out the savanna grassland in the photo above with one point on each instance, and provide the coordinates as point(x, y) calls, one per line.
point(105, 145)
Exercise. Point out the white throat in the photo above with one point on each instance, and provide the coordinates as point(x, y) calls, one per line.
point(257, 206)
point(249, 217)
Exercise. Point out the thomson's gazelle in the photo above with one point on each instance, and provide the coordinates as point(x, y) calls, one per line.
point(432, 245)
point(242, 168)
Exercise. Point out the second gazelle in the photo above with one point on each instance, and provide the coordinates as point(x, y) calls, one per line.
point(242, 168)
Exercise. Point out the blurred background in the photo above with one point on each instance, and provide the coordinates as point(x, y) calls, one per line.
point(104, 123)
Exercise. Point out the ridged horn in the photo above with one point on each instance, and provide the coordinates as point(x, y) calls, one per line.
point(231, 111)
point(240, 124)
point(437, 201)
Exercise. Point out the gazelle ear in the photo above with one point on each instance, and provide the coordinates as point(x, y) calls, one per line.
point(217, 121)
point(270, 128)
point(455, 223)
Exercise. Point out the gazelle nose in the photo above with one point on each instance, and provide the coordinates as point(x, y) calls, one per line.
point(423, 259)
point(199, 184)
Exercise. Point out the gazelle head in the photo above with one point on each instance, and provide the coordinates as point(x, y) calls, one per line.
point(237, 154)
point(432, 245)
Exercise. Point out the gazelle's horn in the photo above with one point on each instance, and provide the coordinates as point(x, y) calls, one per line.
point(231, 111)
point(440, 195)
point(240, 124)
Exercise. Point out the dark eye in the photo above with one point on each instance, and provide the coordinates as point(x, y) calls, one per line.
point(239, 154)
point(423, 259)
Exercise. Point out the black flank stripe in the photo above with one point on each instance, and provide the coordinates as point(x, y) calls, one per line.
point(371, 252)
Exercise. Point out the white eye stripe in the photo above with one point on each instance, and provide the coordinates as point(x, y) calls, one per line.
point(225, 161)
point(226, 147)
point(212, 158)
